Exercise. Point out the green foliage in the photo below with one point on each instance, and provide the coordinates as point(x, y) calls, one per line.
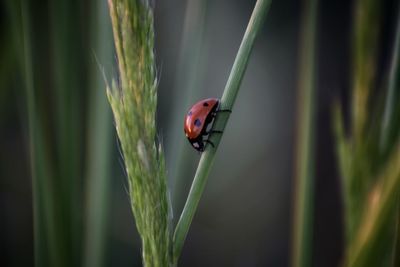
point(368, 152)
point(56, 79)
point(369, 160)
point(133, 99)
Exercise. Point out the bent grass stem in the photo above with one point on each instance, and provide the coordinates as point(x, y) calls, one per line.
point(227, 101)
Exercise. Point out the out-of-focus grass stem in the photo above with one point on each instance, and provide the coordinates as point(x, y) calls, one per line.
point(305, 159)
point(360, 169)
point(47, 250)
point(69, 63)
point(382, 201)
point(387, 133)
point(369, 157)
point(227, 102)
point(393, 84)
point(99, 145)
point(186, 83)
point(365, 32)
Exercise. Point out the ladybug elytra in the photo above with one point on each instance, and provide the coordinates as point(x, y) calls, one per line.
point(198, 122)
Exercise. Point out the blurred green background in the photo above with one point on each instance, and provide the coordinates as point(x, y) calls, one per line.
point(58, 50)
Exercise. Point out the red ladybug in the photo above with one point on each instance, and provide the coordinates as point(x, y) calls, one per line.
point(198, 122)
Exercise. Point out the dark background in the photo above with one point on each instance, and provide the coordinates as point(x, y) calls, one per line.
point(244, 217)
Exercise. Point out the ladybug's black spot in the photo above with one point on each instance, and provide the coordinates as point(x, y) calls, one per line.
point(197, 122)
point(189, 113)
point(205, 104)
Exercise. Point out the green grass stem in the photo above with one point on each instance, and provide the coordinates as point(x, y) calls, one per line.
point(305, 161)
point(358, 163)
point(68, 59)
point(364, 54)
point(98, 171)
point(388, 132)
point(38, 210)
point(227, 101)
point(47, 247)
point(393, 84)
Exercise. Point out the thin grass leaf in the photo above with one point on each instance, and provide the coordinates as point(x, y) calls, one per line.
point(358, 174)
point(393, 85)
point(99, 145)
point(382, 201)
point(343, 151)
point(227, 101)
point(305, 161)
point(47, 246)
point(365, 42)
point(68, 81)
point(390, 127)
point(187, 82)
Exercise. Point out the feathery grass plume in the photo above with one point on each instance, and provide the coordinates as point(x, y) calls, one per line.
point(133, 99)
point(358, 166)
point(370, 178)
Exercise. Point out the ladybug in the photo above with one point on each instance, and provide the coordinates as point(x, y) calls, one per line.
point(199, 120)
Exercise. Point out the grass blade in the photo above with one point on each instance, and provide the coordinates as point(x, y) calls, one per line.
point(47, 247)
point(99, 145)
point(393, 85)
point(382, 201)
point(186, 84)
point(365, 43)
point(227, 101)
point(305, 161)
point(69, 62)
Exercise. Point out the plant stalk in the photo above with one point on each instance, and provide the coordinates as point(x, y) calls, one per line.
point(98, 192)
point(227, 101)
point(305, 162)
point(392, 85)
point(47, 230)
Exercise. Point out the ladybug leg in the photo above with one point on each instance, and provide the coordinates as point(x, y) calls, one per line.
point(209, 142)
point(212, 132)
